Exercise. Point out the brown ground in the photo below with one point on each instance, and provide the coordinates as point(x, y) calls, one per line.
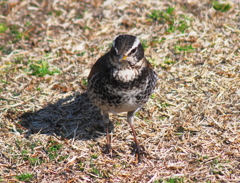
point(50, 132)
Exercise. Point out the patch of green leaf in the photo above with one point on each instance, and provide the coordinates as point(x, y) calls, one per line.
point(5, 50)
point(39, 89)
point(162, 16)
point(137, 114)
point(28, 23)
point(216, 167)
point(5, 82)
point(16, 33)
point(183, 48)
point(34, 161)
point(32, 145)
point(169, 61)
point(81, 54)
point(58, 12)
point(164, 104)
point(52, 155)
point(24, 154)
point(91, 145)
point(19, 60)
point(174, 180)
point(96, 171)
point(163, 117)
point(217, 172)
point(180, 22)
point(94, 156)
point(183, 25)
point(87, 28)
point(215, 162)
point(79, 16)
point(144, 44)
point(42, 68)
point(156, 41)
point(3, 27)
point(26, 177)
point(84, 82)
point(222, 7)
point(62, 158)
point(81, 166)
point(153, 96)
point(53, 148)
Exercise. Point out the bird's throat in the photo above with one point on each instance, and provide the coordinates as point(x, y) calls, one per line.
point(125, 75)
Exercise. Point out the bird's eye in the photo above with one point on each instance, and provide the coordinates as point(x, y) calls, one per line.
point(133, 51)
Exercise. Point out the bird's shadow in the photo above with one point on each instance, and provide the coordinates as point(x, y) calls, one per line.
point(71, 117)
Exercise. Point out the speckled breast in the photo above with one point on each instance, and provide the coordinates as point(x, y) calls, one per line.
point(113, 94)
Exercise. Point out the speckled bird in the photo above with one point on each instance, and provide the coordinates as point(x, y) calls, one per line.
point(122, 80)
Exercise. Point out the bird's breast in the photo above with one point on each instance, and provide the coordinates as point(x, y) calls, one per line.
point(125, 75)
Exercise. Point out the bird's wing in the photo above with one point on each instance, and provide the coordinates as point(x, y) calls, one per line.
point(99, 65)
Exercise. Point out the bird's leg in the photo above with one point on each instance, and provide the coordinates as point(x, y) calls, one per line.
point(130, 119)
point(106, 122)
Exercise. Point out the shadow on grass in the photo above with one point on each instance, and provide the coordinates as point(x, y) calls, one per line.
point(74, 116)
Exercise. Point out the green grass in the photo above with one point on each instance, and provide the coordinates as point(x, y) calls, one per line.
point(4, 82)
point(153, 96)
point(171, 180)
point(81, 166)
point(164, 104)
point(34, 161)
point(53, 148)
point(58, 13)
point(183, 25)
point(169, 61)
point(81, 54)
point(94, 156)
point(222, 7)
point(62, 158)
point(41, 69)
point(174, 180)
point(98, 172)
point(26, 177)
point(25, 154)
point(144, 44)
point(162, 16)
point(17, 35)
point(84, 82)
point(175, 22)
point(183, 48)
point(53, 155)
point(215, 162)
point(3, 27)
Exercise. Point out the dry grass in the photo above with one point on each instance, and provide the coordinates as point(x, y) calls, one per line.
point(189, 129)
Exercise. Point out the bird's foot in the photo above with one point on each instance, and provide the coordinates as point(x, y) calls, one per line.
point(138, 154)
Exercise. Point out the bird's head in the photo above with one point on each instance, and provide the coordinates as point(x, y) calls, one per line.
point(127, 50)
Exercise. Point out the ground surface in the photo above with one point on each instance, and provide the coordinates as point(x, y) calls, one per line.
point(190, 128)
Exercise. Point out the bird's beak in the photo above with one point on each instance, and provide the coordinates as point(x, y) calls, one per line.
point(124, 57)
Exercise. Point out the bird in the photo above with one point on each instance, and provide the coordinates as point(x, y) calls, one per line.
point(122, 80)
